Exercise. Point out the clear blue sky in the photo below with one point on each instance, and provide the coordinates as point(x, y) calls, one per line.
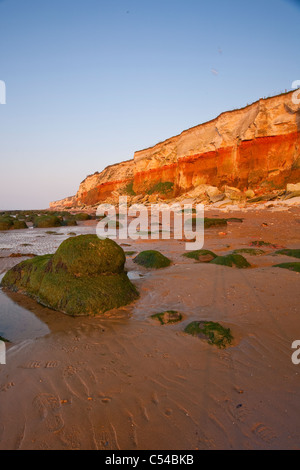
point(89, 82)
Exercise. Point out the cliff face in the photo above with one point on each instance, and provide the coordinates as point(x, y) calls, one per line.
point(257, 146)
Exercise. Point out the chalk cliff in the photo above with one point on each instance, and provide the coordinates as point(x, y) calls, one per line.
point(257, 147)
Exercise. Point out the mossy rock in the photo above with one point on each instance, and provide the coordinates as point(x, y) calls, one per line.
point(47, 221)
point(19, 225)
point(292, 253)
point(69, 222)
point(260, 243)
point(208, 223)
point(10, 223)
point(84, 277)
point(168, 317)
point(203, 256)
point(152, 259)
point(291, 266)
point(89, 255)
point(232, 260)
point(214, 332)
point(130, 253)
point(235, 219)
point(82, 216)
point(6, 223)
point(250, 251)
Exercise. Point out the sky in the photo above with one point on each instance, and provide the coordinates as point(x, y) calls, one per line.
point(89, 82)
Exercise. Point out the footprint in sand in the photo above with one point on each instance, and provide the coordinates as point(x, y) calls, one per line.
point(239, 412)
point(107, 441)
point(264, 433)
point(51, 364)
point(154, 398)
point(32, 365)
point(132, 431)
point(5, 387)
point(48, 407)
point(76, 385)
point(72, 438)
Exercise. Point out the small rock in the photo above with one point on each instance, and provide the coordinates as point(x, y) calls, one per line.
point(233, 193)
point(249, 193)
point(293, 187)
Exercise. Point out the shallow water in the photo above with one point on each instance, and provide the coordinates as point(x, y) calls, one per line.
point(17, 323)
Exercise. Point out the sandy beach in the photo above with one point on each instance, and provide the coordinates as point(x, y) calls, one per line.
point(123, 381)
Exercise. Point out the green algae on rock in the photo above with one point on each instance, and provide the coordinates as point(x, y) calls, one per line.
point(287, 252)
point(152, 259)
point(260, 243)
point(291, 266)
point(10, 223)
point(6, 223)
point(208, 222)
point(168, 317)
point(249, 251)
point(82, 216)
point(232, 260)
point(214, 332)
point(46, 221)
point(203, 256)
point(84, 277)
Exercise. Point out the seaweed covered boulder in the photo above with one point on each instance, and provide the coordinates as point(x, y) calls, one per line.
point(84, 277)
point(206, 222)
point(19, 225)
point(232, 261)
point(168, 317)
point(213, 332)
point(291, 266)
point(203, 256)
point(10, 223)
point(152, 259)
point(47, 221)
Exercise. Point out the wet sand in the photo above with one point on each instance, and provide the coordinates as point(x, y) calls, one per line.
point(124, 382)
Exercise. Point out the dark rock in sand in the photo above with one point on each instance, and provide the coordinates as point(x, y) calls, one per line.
point(214, 332)
point(84, 277)
point(152, 259)
point(232, 260)
point(168, 317)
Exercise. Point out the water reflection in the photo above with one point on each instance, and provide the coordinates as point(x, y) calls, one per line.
point(18, 323)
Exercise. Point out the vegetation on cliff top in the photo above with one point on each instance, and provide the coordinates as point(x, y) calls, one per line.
point(163, 188)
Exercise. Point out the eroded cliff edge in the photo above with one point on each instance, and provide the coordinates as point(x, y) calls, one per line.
point(257, 147)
